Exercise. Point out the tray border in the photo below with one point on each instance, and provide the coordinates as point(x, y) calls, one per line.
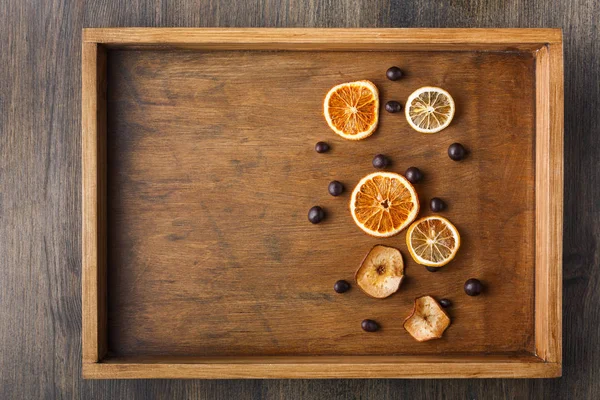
point(545, 44)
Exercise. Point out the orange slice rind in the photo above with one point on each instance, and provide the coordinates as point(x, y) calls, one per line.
point(352, 109)
point(383, 204)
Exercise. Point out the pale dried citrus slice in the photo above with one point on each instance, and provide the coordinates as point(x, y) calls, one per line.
point(429, 109)
point(352, 109)
point(384, 203)
point(432, 241)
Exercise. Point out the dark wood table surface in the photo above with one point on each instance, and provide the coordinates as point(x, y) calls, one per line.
point(40, 180)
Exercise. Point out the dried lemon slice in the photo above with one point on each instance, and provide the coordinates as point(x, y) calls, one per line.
point(432, 241)
point(429, 109)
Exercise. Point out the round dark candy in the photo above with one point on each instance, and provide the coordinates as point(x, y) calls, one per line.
point(380, 161)
point(473, 287)
point(394, 73)
point(393, 106)
point(369, 325)
point(341, 286)
point(457, 151)
point(335, 188)
point(321, 147)
point(316, 214)
point(414, 175)
point(436, 204)
point(445, 303)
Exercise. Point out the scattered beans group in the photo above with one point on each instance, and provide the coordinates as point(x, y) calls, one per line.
point(456, 152)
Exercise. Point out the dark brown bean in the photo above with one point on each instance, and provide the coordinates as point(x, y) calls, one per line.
point(380, 161)
point(436, 204)
point(341, 286)
point(321, 147)
point(473, 287)
point(335, 188)
point(316, 214)
point(393, 106)
point(414, 175)
point(369, 325)
point(394, 73)
point(456, 151)
point(445, 303)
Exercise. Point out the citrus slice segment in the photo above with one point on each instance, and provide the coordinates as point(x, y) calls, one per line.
point(384, 203)
point(352, 109)
point(432, 241)
point(429, 109)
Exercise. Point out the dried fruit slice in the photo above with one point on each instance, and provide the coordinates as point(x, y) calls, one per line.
point(384, 203)
point(427, 321)
point(352, 109)
point(381, 272)
point(429, 109)
point(432, 241)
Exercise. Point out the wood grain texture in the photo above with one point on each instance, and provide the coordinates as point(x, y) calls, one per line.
point(40, 180)
point(331, 367)
point(94, 234)
point(468, 366)
point(327, 39)
point(549, 202)
point(210, 250)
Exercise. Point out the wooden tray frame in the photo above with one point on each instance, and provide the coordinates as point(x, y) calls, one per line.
point(545, 44)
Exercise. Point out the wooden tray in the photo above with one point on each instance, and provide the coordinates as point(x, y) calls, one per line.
point(199, 169)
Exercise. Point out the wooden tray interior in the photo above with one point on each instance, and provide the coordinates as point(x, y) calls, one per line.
point(211, 172)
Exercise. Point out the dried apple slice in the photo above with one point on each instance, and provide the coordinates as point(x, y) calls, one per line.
point(427, 321)
point(381, 272)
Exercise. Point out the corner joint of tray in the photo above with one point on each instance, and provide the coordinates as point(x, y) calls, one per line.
point(87, 35)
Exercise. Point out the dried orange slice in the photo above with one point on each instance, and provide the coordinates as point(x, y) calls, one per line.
point(429, 109)
point(384, 203)
point(432, 241)
point(352, 109)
